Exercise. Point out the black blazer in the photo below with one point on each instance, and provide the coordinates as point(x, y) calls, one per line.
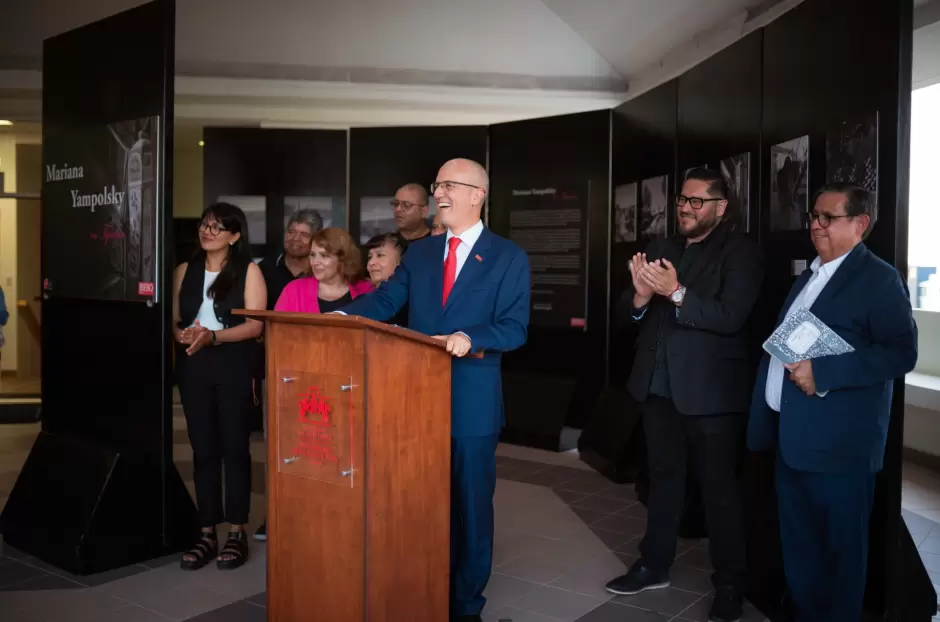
point(706, 349)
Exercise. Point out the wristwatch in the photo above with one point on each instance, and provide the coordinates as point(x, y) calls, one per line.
point(678, 295)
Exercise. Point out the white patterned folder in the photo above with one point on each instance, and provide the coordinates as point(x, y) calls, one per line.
point(802, 336)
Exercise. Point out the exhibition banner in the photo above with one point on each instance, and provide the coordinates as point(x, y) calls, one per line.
point(549, 222)
point(100, 193)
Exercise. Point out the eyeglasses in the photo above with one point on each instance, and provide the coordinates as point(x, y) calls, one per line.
point(405, 205)
point(824, 219)
point(215, 228)
point(695, 202)
point(451, 186)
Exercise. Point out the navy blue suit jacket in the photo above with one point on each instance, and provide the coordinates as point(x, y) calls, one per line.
point(489, 303)
point(868, 305)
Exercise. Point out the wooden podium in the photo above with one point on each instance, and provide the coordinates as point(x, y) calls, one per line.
point(358, 483)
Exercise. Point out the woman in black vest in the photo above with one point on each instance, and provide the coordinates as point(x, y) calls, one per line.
point(214, 365)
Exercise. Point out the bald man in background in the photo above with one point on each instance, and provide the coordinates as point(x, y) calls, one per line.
point(411, 207)
point(481, 305)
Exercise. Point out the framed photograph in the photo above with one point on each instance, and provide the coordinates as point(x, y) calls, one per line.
point(852, 153)
point(256, 211)
point(653, 206)
point(324, 206)
point(376, 216)
point(625, 213)
point(789, 184)
point(737, 173)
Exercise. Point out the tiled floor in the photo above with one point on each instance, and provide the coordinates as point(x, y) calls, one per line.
point(562, 532)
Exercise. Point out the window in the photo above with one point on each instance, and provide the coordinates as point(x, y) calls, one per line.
point(923, 255)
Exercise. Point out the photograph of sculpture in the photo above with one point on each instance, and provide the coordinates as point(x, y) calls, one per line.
point(653, 206)
point(852, 153)
point(625, 213)
point(789, 184)
point(737, 173)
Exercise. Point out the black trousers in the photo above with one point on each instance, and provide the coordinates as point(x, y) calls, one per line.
point(215, 389)
point(713, 444)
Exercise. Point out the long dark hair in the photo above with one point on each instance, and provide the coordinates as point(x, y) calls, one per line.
point(232, 218)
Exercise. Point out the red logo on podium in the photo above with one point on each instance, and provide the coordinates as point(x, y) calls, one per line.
point(314, 408)
point(144, 288)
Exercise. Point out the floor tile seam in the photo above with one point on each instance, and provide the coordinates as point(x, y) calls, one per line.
point(130, 603)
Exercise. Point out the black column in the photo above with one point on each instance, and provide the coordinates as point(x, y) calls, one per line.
point(99, 489)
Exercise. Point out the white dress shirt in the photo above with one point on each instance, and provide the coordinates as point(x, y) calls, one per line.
point(822, 273)
point(467, 239)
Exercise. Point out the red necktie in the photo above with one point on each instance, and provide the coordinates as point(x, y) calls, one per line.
point(450, 268)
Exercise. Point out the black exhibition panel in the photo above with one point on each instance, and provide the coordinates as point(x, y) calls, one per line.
point(285, 168)
point(383, 159)
point(559, 165)
point(99, 489)
point(643, 146)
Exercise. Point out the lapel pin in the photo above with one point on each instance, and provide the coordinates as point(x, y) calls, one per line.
point(478, 258)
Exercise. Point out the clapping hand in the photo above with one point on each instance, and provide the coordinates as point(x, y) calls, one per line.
point(643, 289)
point(660, 276)
point(196, 337)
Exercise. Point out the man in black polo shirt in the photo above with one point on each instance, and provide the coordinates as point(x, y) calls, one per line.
point(292, 263)
point(692, 296)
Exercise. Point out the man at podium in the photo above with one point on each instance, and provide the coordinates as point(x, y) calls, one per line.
point(478, 302)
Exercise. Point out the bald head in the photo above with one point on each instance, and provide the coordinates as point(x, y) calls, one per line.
point(467, 171)
point(460, 190)
point(416, 192)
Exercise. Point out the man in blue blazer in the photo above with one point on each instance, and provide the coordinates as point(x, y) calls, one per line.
point(828, 418)
point(469, 287)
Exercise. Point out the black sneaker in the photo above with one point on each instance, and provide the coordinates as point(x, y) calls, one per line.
point(639, 578)
point(728, 606)
point(262, 533)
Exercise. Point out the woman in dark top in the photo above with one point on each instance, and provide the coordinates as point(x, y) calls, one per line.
point(385, 251)
point(214, 366)
point(335, 262)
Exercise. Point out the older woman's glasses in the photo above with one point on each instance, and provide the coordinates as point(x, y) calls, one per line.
point(213, 228)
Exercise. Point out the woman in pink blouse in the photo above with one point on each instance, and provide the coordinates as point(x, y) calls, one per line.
point(336, 263)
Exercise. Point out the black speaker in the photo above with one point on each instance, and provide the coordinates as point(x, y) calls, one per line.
point(536, 406)
point(86, 507)
point(24, 412)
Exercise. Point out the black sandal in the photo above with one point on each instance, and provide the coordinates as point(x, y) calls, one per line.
point(206, 548)
point(237, 547)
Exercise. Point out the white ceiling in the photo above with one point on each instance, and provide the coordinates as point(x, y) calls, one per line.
point(566, 44)
point(338, 63)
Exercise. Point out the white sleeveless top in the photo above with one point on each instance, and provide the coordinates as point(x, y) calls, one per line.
point(206, 315)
